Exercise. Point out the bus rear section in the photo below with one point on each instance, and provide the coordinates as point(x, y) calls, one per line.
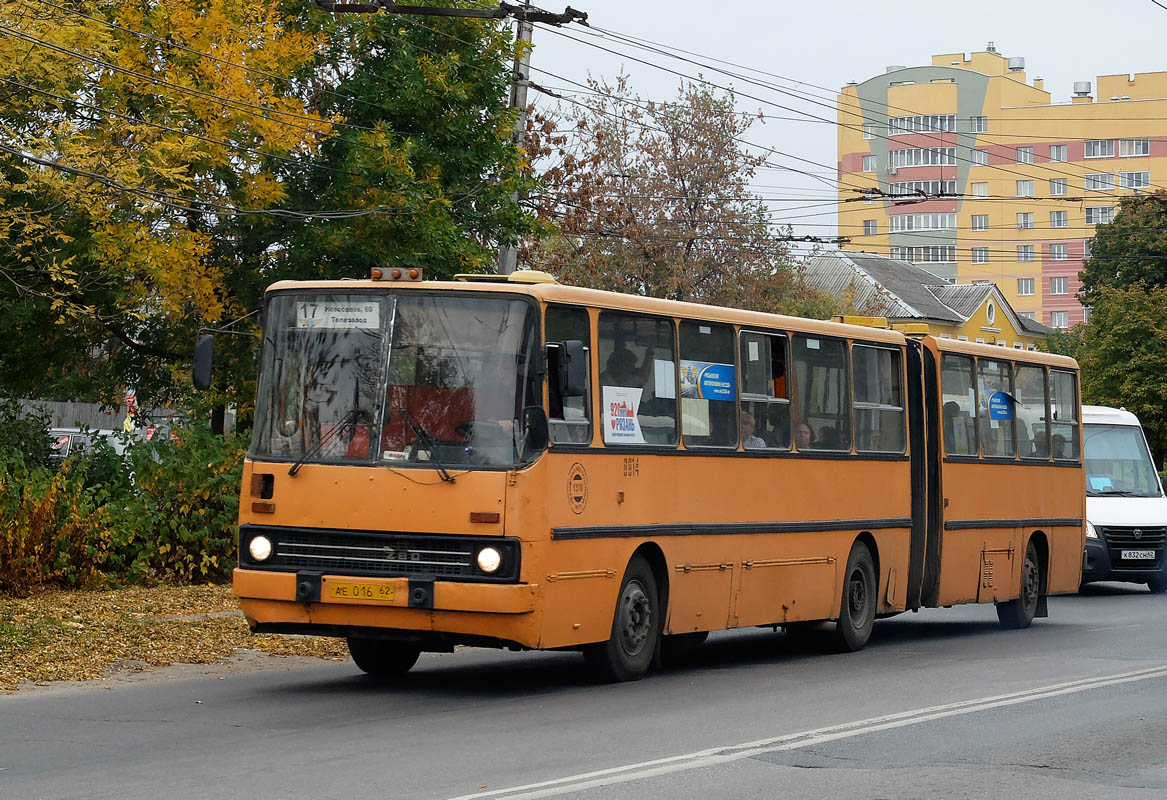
point(1126, 510)
point(1010, 499)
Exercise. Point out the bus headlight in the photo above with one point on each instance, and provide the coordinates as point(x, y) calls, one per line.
point(1090, 532)
point(260, 548)
point(489, 559)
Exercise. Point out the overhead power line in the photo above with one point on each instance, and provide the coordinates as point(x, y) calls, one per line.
point(782, 90)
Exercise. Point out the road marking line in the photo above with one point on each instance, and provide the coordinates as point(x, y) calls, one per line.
point(793, 741)
point(1117, 627)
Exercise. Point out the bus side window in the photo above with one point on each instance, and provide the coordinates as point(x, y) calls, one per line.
point(958, 398)
point(570, 420)
point(1063, 403)
point(879, 405)
point(638, 381)
point(764, 401)
point(1032, 431)
point(708, 385)
point(995, 406)
point(820, 376)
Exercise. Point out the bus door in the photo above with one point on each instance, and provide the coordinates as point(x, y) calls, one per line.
point(923, 433)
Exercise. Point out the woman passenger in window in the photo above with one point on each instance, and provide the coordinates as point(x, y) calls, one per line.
point(749, 440)
point(803, 436)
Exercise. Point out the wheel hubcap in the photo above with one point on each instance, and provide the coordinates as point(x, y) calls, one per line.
point(857, 598)
point(1029, 586)
point(635, 617)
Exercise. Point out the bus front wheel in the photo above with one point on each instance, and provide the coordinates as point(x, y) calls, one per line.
point(382, 658)
point(857, 611)
point(1016, 614)
point(636, 626)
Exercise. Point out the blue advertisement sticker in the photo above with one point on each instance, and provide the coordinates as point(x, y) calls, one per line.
point(1000, 406)
point(707, 380)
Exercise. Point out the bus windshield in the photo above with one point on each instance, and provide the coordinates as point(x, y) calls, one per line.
point(1118, 464)
point(436, 380)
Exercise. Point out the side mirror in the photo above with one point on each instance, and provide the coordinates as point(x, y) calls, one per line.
point(536, 433)
point(568, 367)
point(203, 355)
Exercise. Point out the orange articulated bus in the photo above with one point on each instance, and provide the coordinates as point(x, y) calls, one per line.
point(506, 461)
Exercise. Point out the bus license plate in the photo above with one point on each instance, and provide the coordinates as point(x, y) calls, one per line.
point(361, 591)
point(1138, 555)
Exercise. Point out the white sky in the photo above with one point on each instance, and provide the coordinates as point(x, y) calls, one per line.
point(828, 43)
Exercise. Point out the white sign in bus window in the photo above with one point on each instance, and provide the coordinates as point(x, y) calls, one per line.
point(695, 417)
point(754, 355)
point(621, 405)
point(666, 378)
point(338, 315)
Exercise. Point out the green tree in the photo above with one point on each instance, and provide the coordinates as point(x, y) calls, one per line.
point(1123, 355)
point(1129, 250)
point(427, 145)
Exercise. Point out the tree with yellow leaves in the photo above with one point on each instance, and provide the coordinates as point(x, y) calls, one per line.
point(129, 134)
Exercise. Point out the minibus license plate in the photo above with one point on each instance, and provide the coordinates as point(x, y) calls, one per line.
point(361, 591)
point(1138, 555)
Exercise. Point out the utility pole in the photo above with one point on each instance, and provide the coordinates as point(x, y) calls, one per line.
point(508, 254)
point(526, 15)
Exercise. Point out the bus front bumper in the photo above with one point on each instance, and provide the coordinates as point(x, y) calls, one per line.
point(304, 601)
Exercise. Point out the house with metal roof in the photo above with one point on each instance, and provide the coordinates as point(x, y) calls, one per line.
point(904, 293)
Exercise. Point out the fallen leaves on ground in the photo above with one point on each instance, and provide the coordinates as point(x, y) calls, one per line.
point(75, 635)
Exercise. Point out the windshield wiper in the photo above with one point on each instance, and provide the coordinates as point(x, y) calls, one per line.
point(1112, 492)
point(347, 420)
point(428, 441)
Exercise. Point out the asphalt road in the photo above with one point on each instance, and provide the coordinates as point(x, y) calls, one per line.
point(941, 704)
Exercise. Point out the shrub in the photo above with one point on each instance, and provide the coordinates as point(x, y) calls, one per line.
point(51, 527)
point(24, 432)
point(178, 519)
point(159, 511)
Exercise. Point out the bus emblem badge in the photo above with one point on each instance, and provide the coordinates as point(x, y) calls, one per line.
point(577, 488)
point(1138, 533)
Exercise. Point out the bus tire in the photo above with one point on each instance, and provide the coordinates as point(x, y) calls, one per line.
point(1017, 614)
point(857, 610)
point(1157, 585)
point(383, 658)
point(636, 625)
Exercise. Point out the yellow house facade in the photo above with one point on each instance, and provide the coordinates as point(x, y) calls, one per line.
point(969, 169)
point(911, 298)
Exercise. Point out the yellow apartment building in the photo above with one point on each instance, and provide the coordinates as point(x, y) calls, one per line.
point(969, 169)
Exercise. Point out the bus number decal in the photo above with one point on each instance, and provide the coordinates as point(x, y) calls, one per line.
point(631, 467)
point(577, 488)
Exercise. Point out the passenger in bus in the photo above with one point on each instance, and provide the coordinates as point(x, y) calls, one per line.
point(1041, 444)
point(803, 436)
point(621, 369)
point(779, 379)
point(749, 440)
point(1058, 445)
point(828, 438)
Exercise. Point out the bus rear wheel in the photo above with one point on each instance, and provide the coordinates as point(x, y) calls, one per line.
point(636, 626)
point(1017, 614)
point(857, 611)
point(383, 658)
